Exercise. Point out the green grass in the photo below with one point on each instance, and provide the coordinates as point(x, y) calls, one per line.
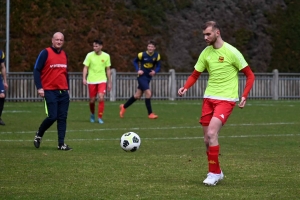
point(260, 153)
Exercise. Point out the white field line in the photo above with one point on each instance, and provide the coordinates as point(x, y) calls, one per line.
point(155, 128)
point(286, 103)
point(170, 138)
point(16, 111)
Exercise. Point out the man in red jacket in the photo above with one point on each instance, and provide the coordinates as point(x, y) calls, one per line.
point(52, 83)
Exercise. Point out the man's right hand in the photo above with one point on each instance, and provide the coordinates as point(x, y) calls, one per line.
point(41, 92)
point(140, 72)
point(181, 91)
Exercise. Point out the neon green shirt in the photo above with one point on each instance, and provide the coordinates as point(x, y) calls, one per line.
point(223, 65)
point(97, 65)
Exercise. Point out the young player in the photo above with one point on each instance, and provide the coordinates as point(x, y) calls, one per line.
point(147, 64)
point(96, 74)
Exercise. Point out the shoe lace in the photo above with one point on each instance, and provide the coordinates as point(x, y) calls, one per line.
point(38, 138)
point(212, 175)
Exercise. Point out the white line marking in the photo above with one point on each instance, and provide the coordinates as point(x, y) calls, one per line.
point(185, 102)
point(156, 128)
point(16, 111)
point(171, 138)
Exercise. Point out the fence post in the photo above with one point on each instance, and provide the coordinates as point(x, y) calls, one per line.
point(275, 84)
point(112, 93)
point(172, 85)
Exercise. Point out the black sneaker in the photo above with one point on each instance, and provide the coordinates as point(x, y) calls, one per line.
point(37, 140)
point(2, 122)
point(64, 147)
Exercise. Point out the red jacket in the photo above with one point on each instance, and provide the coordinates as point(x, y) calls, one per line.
point(54, 74)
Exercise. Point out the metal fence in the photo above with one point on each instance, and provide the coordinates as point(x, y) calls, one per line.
point(164, 86)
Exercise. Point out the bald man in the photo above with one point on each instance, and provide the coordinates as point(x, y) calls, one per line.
point(52, 83)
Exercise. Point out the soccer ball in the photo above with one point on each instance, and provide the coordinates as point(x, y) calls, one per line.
point(130, 142)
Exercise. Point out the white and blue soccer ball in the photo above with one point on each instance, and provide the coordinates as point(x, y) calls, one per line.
point(130, 142)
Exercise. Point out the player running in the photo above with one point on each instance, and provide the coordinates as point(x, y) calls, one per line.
point(147, 64)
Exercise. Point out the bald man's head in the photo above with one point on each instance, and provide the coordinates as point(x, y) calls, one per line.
point(58, 40)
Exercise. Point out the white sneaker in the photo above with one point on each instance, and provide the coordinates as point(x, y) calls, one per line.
point(213, 179)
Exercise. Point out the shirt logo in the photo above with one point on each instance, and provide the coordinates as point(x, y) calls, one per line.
point(222, 116)
point(221, 59)
point(58, 66)
point(154, 59)
point(212, 162)
point(148, 65)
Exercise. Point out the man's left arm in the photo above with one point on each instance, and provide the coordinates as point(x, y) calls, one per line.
point(249, 83)
point(108, 75)
point(3, 72)
point(157, 65)
point(3, 69)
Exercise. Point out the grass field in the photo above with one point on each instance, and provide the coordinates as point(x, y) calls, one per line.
point(260, 154)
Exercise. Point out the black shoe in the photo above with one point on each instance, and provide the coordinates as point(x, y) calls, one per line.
point(2, 122)
point(37, 140)
point(64, 147)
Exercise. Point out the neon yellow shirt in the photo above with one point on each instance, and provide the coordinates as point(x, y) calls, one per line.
point(97, 65)
point(223, 65)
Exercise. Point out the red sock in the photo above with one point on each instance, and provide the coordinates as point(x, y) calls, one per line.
point(100, 109)
point(92, 107)
point(213, 159)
